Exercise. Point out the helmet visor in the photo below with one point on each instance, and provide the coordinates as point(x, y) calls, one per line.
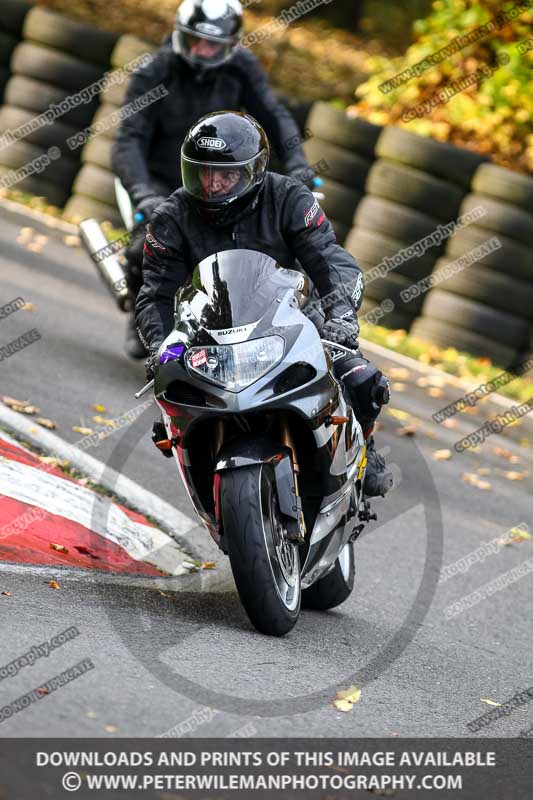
point(219, 184)
point(202, 51)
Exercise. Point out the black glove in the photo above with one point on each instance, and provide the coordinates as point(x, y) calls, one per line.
point(150, 363)
point(342, 329)
point(148, 205)
point(305, 175)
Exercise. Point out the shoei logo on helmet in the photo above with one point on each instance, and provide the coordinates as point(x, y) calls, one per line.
point(217, 144)
point(209, 29)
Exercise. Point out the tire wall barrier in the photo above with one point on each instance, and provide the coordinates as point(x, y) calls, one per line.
point(55, 60)
point(93, 192)
point(391, 196)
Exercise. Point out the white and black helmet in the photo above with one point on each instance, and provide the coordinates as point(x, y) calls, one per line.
point(214, 22)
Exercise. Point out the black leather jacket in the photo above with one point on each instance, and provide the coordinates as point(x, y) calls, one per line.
point(147, 151)
point(285, 222)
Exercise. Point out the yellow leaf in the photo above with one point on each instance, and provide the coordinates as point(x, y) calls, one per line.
point(46, 423)
point(59, 547)
point(407, 430)
point(434, 391)
point(10, 402)
point(515, 476)
point(27, 409)
point(442, 455)
point(398, 414)
point(27, 307)
point(475, 480)
point(399, 373)
point(209, 565)
point(489, 702)
point(484, 471)
point(100, 408)
point(519, 534)
point(346, 699)
point(399, 387)
point(450, 423)
point(54, 585)
point(342, 705)
point(111, 728)
point(83, 431)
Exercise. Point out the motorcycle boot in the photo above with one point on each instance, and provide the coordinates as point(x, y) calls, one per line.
point(368, 390)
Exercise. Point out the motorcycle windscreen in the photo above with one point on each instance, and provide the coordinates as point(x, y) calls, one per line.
point(236, 287)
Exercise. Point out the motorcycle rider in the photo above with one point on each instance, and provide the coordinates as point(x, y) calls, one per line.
point(229, 200)
point(203, 69)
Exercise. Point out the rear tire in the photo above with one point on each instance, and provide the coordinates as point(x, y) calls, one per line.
point(335, 587)
point(251, 523)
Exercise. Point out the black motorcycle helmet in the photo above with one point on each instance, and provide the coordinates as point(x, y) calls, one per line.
point(211, 26)
point(224, 159)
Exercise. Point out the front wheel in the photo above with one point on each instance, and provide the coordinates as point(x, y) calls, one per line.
point(265, 564)
point(335, 587)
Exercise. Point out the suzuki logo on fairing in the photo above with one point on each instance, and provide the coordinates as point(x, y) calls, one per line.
point(230, 330)
point(217, 144)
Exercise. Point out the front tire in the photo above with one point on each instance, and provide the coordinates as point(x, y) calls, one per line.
point(265, 565)
point(335, 587)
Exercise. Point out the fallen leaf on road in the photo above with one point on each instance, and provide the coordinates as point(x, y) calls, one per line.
point(399, 373)
point(100, 408)
point(7, 594)
point(475, 480)
point(83, 431)
point(10, 402)
point(111, 728)
point(515, 476)
point(25, 233)
point(434, 391)
point(51, 460)
point(345, 700)
point(209, 565)
point(398, 414)
point(442, 455)
point(27, 307)
point(92, 714)
point(489, 702)
point(450, 423)
point(28, 410)
point(59, 547)
point(165, 594)
point(398, 387)
point(524, 441)
point(42, 690)
point(103, 421)
point(72, 240)
point(484, 471)
point(468, 410)
point(519, 534)
point(501, 452)
point(46, 423)
point(407, 430)
point(54, 585)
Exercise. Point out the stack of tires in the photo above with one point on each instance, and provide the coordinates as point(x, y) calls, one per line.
point(486, 308)
point(415, 185)
point(94, 187)
point(12, 17)
point(342, 150)
point(57, 58)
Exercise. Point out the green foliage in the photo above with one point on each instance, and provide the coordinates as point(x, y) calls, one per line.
point(493, 116)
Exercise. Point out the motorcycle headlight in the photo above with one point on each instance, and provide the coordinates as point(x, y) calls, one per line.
point(236, 366)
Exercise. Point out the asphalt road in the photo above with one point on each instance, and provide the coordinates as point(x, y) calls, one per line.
point(159, 659)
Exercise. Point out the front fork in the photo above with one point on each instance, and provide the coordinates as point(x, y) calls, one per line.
point(254, 450)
